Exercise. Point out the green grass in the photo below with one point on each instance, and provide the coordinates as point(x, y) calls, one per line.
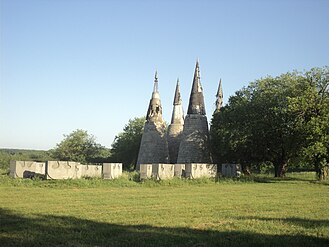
point(259, 211)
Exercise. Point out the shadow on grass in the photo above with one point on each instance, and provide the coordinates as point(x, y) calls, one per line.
point(305, 223)
point(48, 230)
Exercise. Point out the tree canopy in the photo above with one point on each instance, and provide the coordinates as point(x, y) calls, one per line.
point(279, 120)
point(81, 147)
point(126, 145)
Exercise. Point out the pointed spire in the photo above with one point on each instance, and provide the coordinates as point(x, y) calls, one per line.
point(177, 98)
point(196, 104)
point(155, 88)
point(219, 96)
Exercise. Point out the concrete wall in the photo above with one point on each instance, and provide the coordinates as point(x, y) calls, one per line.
point(26, 169)
point(92, 171)
point(179, 170)
point(145, 171)
point(63, 170)
point(200, 170)
point(112, 170)
point(231, 170)
point(157, 171)
point(163, 171)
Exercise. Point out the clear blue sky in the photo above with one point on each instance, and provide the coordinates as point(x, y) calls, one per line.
point(89, 64)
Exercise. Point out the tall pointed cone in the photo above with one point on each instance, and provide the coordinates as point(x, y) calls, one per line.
point(196, 104)
point(154, 146)
point(219, 97)
point(176, 126)
point(177, 97)
point(194, 146)
point(154, 112)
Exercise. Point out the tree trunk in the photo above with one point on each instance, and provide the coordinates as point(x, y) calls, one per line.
point(280, 169)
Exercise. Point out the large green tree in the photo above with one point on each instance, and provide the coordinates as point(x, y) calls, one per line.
point(81, 147)
point(311, 108)
point(126, 145)
point(268, 122)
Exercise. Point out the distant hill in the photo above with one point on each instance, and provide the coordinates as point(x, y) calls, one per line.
point(7, 154)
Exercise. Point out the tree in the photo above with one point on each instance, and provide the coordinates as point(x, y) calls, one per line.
point(81, 147)
point(312, 110)
point(126, 144)
point(263, 123)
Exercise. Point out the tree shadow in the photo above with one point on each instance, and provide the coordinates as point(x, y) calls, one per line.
point(50, 230)
point(305, 223)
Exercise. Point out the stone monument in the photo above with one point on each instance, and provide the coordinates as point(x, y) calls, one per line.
point(175, 128)
point(194, 147)
point(154, 146)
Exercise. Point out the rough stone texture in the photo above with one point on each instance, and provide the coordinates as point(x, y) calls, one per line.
point(175, 132)
point(179, 170)
point(145, 171)
point(26, 169)
point(163, 171)
point(92, 171)
point(200, 170)
point(112, 170)
point(219, 97)
point(157, 171)
point(63, 170)
point(231, 170)
point(154, 145)
point(196, 103)
point(176, 126)
point(194, 147)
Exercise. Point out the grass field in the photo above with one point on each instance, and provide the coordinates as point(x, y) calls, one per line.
point(252, 212)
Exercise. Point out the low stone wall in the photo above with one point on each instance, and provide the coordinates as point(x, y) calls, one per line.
point(200, 170)
point(231, 170)
point(26, 169)
point(168, 171)
point(112, 170)
point(63, 170)
point(163, 171)
point(91, 171)
point(179, 170)
point(145, 171)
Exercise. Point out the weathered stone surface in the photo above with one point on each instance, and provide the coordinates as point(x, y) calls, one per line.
point(63, 170)
point(91, 171)
point(163, 171)
point(179, 170)
point(145, 171)
point(176, 126)
point(157, 171)
point(231, 170)
point(154, 145)
point(112, 170)
point(194, 147)
point(200, 170)
point(26, 169)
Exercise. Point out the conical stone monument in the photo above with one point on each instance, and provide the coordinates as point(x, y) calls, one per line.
point(175, 128)
point(154, 146)
point(194, 147)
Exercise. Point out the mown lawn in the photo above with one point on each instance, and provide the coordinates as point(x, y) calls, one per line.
point(262, 212)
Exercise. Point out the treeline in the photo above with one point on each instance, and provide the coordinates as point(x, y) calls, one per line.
point(276, 121)
point(6, 155)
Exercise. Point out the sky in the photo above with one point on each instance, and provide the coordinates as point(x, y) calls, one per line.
point(90, 64)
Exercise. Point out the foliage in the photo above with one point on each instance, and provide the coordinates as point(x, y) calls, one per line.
point(81, 147)
point(6, 155)
point(126, 145)
point(278, 120)
point(311, 109)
